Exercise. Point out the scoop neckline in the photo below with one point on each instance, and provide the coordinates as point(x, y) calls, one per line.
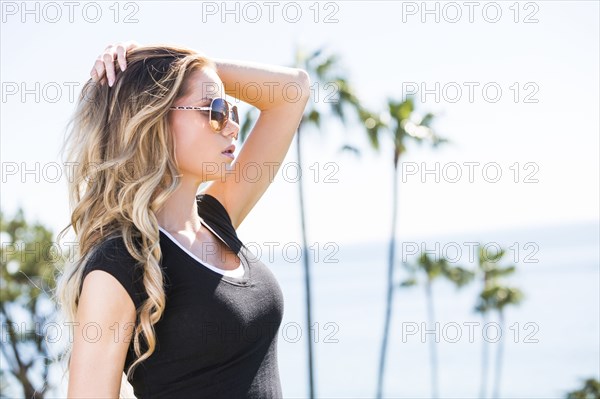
point(241, 281)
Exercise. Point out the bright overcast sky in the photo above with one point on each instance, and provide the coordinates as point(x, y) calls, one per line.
point(515, 87)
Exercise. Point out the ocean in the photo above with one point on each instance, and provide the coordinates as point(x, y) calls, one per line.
point(551, 340)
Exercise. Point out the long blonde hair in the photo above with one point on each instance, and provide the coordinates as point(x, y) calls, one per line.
point(124, 170)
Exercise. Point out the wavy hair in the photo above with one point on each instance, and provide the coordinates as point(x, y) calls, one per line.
point(122, 131)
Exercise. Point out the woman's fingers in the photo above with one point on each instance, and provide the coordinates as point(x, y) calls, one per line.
point(121, 50)
point(105, 63)
point(94, 74)
point(97, 72)
point(100, 67)
point(109, 64)
point(121, 56)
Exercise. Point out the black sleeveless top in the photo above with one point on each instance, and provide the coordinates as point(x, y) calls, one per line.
point(217, 337)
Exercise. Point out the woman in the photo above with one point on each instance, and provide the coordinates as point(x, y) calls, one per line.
point(163, 289)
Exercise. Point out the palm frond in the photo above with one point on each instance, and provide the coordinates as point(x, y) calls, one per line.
point(427, 119)
point(314, 117)
point(323, 68)
point(409, 282)
point(350, 148)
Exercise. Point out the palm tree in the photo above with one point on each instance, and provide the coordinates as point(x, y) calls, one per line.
point(494, 296)
point(324, 70)
point(402, 128)
point(434, 268)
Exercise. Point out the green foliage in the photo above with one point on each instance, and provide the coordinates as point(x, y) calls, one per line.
point(327, 73)
point(403, 126)
point(433, 268)
point(427, 119)
point(314, 117)
point(401, 110)
point(350, 148)
point(373, 125)
point(590, 390)
point(408, 282)
point(494, 295)
point(497, 297)
point(28, 261)
point(459, 276)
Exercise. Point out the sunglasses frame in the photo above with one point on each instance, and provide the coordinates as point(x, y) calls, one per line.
point(231, 115)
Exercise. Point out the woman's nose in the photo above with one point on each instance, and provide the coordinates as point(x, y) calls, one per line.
point(231, 129)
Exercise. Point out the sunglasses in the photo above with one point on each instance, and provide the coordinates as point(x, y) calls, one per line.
point(219, 113)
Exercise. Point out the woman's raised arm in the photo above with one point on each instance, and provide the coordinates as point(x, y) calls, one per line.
point(281, 94)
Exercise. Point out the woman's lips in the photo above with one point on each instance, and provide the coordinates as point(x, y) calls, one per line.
point(228, 152)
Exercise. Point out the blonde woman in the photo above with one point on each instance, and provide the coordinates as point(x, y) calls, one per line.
point(163, 289)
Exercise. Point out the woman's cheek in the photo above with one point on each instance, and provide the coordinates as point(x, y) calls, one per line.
point(184, 151)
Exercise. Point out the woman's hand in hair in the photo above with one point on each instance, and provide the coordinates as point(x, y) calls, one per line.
point(106, 61)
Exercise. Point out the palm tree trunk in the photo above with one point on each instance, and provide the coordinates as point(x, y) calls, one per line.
point(499, 356)
point(434, 381)
point(484, 362)
point(306, 270)
point(390, 281)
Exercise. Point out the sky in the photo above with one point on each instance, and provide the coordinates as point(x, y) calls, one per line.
point(514, 87)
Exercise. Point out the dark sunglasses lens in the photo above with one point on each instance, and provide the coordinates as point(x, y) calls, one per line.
point(219, 114)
